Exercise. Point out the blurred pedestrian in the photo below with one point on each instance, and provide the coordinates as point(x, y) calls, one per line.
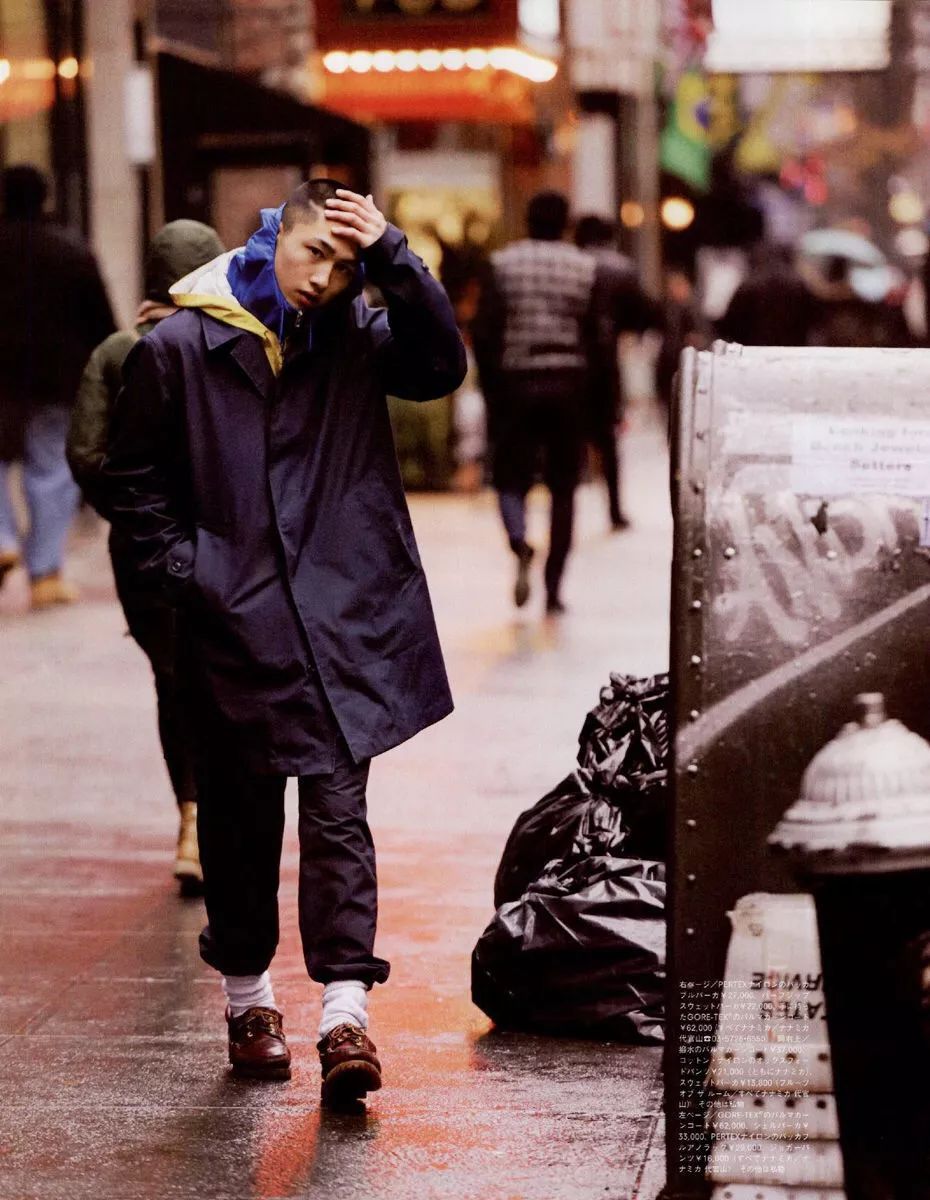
point(856, 306)
point(53, 311)
point(542, 326)
point(772, 306)
point(252, 470)
point(683, 325)
point(176, 250)
point(632, 310)
point(470, 426)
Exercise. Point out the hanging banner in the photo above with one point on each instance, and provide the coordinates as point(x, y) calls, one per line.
point(684, 150)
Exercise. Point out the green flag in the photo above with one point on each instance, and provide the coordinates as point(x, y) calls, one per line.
point(684, 150)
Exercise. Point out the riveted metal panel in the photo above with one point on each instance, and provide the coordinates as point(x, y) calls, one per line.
point(802, 495)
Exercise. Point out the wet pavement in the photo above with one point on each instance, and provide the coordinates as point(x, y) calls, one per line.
point(112, 1050)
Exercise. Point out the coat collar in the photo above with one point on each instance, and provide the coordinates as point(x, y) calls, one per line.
point(245, 349)
point(208, 289)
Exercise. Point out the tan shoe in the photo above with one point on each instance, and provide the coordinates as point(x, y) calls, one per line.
point(52, 589)
point(9, 561)
point(187, 860)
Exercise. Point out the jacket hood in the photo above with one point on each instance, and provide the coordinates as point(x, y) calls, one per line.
point(252, 279)
point(175, 251)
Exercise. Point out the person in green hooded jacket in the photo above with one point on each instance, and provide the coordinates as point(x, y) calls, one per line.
point(176, 250)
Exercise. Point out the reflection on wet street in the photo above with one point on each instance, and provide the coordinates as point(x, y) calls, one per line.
point(112, 1041)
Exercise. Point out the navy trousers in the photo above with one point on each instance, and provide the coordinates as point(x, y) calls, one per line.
point(240, 826)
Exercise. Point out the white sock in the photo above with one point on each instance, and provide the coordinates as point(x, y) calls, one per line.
point(248, 991)
point(345, 1000)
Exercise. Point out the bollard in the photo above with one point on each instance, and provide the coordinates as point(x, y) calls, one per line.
point(860, 838)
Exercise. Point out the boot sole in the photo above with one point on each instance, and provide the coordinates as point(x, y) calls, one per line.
point(257, 1072)
point(189, 886)
point(349, 1081)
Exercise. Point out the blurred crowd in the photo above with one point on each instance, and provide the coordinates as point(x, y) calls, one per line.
point(833, 288)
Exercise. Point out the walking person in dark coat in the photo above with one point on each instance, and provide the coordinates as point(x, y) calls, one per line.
point(53, 311)
point(543, 325)
point(773, 306)
point(252, 468)
point(632, 310)
point(175, 251)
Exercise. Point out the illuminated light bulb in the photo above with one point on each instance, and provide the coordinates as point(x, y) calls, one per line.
point(384, 60)
point(632, 214)
point(38, 68)
point(912, 243)
point(429, 60)
point(519, 62)
point(406, 60)
point(476, 60)
point(453, 60)
point(537, 70)
point(677, 213)
point(360, 61)
point(336, 62)
point(68, 68)
point(906, 208)
point(4, 70)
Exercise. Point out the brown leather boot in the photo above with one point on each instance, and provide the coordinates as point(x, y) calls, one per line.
point(257, 1048)
point(350, 1065)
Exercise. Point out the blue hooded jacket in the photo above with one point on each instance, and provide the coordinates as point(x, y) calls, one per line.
point(252, 278)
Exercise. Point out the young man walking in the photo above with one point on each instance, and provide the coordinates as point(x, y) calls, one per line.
point(252, 468)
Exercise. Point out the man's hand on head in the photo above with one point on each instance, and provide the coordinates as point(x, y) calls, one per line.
point(355, 218)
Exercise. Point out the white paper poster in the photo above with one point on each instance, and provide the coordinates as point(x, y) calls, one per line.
point(836, 456)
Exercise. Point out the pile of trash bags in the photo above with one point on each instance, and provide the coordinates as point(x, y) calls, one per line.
point(577, 945)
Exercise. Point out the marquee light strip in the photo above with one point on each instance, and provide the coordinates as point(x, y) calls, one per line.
point(499, 58)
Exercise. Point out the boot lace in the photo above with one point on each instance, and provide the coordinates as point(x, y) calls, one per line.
point(264, 1020)
point(352, 1034)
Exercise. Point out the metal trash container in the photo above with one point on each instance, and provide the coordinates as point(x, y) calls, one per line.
point(860, 837)
point(801, 576)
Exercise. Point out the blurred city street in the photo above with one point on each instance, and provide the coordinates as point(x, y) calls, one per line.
point(112, 1041)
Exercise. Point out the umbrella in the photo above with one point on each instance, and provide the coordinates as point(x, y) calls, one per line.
point(841, 243)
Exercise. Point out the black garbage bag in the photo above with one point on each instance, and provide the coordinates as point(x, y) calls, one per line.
point(615, 804)
point(582, 953)
point(626, 735)
point(624, 745)
point(569, 822)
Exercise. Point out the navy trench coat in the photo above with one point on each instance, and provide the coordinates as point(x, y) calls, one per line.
point(273, 510)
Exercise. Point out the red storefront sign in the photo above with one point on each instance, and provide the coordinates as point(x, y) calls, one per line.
point(397, 24)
